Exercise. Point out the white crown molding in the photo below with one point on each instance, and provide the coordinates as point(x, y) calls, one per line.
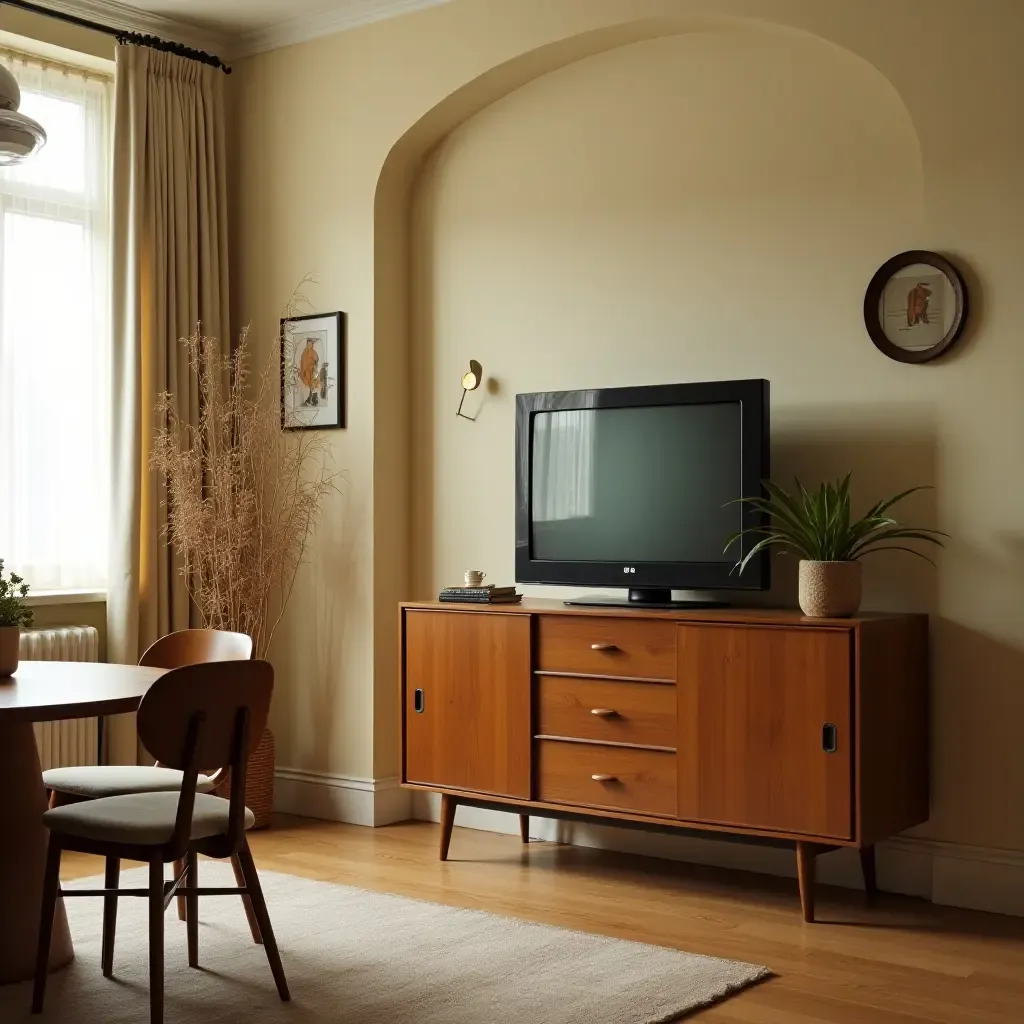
point(349, 14)
point(123, 16)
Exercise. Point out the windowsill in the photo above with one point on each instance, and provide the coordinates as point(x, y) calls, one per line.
point(39, 598)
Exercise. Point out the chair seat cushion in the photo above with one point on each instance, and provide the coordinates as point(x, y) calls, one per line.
point(145, 819)
point(93, 781)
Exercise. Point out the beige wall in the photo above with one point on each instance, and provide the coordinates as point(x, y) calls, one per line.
point(51, 35)
point(688, 198)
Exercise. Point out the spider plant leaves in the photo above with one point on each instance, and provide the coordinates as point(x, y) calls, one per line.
point(884, 506)
point(765, 542)
point(897, 547)
point(818, 525)
point(900, 533)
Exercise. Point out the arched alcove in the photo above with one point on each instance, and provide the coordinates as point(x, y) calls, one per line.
point(638, 216)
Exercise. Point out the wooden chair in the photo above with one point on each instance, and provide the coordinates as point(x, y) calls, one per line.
point(91, 782)
point(208, 714)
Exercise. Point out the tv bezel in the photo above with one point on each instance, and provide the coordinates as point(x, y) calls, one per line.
point(753, 397)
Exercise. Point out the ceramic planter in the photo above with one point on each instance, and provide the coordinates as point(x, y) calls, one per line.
point(10, 639)
point(830, 590)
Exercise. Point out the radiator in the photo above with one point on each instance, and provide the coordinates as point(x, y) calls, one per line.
point(76, 741)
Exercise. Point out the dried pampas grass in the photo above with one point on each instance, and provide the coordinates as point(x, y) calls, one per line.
point(243, 495)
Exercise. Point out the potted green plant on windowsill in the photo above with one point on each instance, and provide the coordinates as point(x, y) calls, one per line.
point(820, 528)
point(13, 615)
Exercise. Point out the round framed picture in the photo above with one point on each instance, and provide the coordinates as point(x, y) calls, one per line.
point(915, 306)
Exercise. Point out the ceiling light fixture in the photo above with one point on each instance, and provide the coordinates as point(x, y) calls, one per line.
point(20, 136)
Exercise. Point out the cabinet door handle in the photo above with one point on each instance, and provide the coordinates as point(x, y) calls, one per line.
point(605, 778)
point(829, 738)
point(604, 712)
point(417, 702)
point(603, 647)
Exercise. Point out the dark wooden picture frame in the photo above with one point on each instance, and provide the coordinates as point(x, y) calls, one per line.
point(876, 290)
point(326, 376)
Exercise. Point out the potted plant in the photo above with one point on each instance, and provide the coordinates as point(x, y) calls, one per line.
point(243, 499)
point(13, 615)
point(820, 528)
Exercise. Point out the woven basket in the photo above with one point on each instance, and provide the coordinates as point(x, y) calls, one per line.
point(259, 781)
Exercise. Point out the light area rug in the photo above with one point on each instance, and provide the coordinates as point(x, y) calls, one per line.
point(359, 957)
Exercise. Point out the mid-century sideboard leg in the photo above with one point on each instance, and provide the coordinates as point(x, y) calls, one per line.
point(867, 866)
point(805, 854)
point(524, 827)
point(448, 805)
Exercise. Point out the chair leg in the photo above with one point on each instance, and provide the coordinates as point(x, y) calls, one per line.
point(51, 892)
point(259, 906)
point(192, 899)
point(179, 866)
point(254, 927)
point(156, 941)
point(111, 880)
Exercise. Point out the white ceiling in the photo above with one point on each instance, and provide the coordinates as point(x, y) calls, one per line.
point(239, 26)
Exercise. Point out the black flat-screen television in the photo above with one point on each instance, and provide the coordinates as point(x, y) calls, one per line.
point(639, 487)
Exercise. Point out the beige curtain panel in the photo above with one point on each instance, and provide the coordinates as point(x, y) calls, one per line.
point(170, 273)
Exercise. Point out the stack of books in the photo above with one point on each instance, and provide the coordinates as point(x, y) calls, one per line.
point(488, 594)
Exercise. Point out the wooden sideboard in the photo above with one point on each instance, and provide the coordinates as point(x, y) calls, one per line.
point(751, 722)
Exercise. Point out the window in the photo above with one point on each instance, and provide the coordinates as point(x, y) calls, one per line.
point(55, 333)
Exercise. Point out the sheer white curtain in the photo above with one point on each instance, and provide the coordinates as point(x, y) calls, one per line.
point(55, 333)
point(563, 464)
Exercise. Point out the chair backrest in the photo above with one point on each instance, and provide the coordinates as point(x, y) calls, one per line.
point(214, 713)
point(195, 646)
point(217, 692)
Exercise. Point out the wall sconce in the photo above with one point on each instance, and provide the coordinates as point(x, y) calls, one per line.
point(470, 382)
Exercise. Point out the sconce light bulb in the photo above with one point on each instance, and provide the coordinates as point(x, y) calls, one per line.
point(471, 380)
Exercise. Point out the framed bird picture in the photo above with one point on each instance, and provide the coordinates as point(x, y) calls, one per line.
point(915, 307)
point(313, 372)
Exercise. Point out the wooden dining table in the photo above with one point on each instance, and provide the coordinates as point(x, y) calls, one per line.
point(43, 691)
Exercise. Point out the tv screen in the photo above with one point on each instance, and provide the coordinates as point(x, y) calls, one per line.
point(636, 485)
point(640, 487)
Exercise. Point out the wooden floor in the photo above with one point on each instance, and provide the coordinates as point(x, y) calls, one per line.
point(901, 960)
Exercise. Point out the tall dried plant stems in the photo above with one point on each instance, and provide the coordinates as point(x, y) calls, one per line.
point(243, 496)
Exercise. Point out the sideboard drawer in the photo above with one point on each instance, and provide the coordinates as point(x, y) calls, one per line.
point(588, 774)
point(602, 710)
point(606, 646)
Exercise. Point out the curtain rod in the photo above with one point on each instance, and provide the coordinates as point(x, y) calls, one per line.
point(121, 35)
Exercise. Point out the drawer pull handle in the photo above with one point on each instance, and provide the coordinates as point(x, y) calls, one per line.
point(603, 647)
point(605, 778)
point(604, 712)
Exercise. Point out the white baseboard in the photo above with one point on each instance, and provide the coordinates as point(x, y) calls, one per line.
point(951, 874)
point(372, 802)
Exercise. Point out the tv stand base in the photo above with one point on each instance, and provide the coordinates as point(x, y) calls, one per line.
point(660, 599)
